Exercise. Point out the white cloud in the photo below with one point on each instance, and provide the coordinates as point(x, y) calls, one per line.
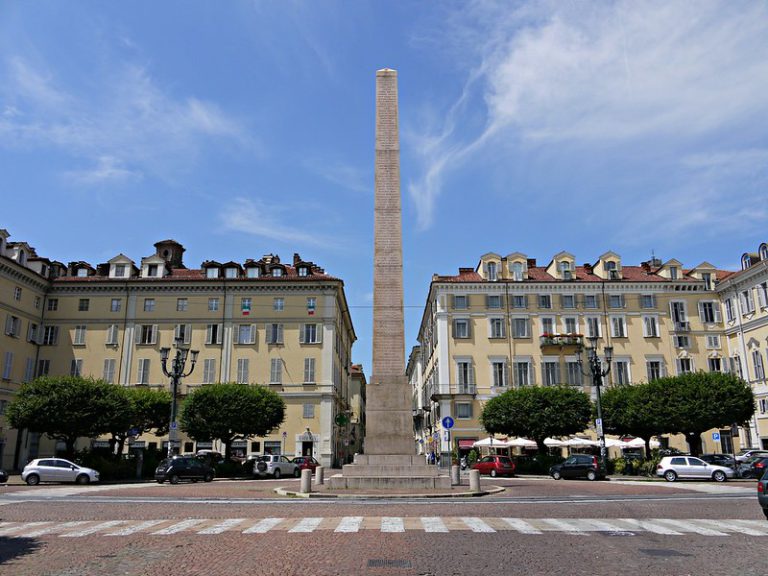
point(345, 175)
point(106, 170)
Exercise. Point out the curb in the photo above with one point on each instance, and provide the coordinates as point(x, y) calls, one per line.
point(320, 495)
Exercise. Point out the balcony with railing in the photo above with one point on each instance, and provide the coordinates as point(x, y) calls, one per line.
point(682, 326)
point(560, 340)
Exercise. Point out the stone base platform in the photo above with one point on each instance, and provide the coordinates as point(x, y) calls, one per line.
point(395, 472)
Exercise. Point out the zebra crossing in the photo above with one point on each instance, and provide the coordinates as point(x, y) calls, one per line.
point(385, 525)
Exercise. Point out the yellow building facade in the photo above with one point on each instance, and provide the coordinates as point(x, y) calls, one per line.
point(510, 322)
point(262, 322)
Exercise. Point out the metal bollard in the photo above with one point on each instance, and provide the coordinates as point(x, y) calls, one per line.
point(455, 475)
point(319, 476)
point(306, 481)
point(474, 480)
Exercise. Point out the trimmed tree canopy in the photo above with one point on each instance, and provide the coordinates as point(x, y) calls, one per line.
point(537, 412)
point(634, 410)
point(68, 407)
point(230, 411)
point(150, 409)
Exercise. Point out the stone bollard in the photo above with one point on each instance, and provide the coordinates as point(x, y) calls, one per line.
point(306, 481)
point(474, 480)
point(319, 475)
point(455, 475)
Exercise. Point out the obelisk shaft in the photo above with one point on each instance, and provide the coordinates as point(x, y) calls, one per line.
point(389, 423)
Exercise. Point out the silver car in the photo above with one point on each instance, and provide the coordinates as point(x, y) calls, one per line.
point(275, 466)
point(673, 467)
point(57, 470)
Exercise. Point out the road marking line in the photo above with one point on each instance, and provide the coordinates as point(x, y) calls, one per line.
point(689, 527)
point(649, 526)
point(306, 525)
point(135, 528)
point(433, 524)
point(521, 526)
point(477, 525)
point(602, 525)
point(565, 525)
point(54, 528)
point(349, 524)
point(222, 526)
point(263, 526)
point(21, 526)
point(751, 525)
point(92, 529)
point(732, 525)
point(392, 524)
point(178, 527)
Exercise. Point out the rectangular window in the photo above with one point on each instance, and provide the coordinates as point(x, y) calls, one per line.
point(142, 374)
point(311, 304)
point(76, 367)
point(715, 364)
point(571, 325)
point(309, 411)
point(762, 294)
point(274, 333)
point(757, 361)
point(654, 369)
point(496, 328)
point(242, 370)
point(181, 304)
point(460, 302)
point(650, 327)
point(17, 293)
point(211, 272)
point(550, 372)
point(568, 301)
point(183, 333)
point(309, 370)
point(616, 301)
point(747, 303)
point(684, 366)
point(621, 372)
point(50, 335)
point(463, 410)
point(520, 328)
point(735, 363)
point(713, 341)
point(278, 304)
point(729, 312)
point(115, 305)
point(7, 365)
point(245, 306)
point(590, 301)
point(147, 334)
point(522, 373)
point(545, 301)
point(309, 334)
point(209, 371)
point(461, 328)
point(12, 326)
point(108, 374)
point(79, 339)
point(682, 341)
point(465, 376)
point(618, 327)
point(152, 270)
point(276, 371)
point(43, 367)
point(493, 301)
point(213, 334)
point(53, 304)
point(648, 301)
point(119, 270)
point(246, 334)
point(230, 272)
point(519, 301)
point(33, 333)
point(37, 302)
point(709, 312)
point(574, 374)
point(29, 370)
point(149, 304)
point(499, 373)
point(213, 304)
point(83, 305)
point(547, 325)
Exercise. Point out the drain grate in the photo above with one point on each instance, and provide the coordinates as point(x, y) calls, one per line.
point(378, 563)
point(662, 552)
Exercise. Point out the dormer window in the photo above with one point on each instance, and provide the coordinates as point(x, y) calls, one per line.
point(22, 257)
point(82, 272)
point(44, 271)
point(230, 272)
point(707, 277)
point(764, 252)
point(610, 267)
point(152, 270)
point(253, 272)
point(211, 272)
point(565, 270)
point(277, 272)
point(746, 262)
point(303, 271)
point(492, 271)
point(119, 270)
point(673, 272)
point(517, 271)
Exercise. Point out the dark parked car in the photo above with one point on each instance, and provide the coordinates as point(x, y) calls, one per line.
point(3, 476)
point(719, 460)
point(578, 466)
point(754, 467)
point(306, 463)
point(495, 465)
point(762, 493)
point(183, 468)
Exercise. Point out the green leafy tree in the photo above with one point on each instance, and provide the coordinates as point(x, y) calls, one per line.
point(696, 402)
point(537, 412)
point(67, 408)
point(634, 410)
point(150, 409)
point(230, 411)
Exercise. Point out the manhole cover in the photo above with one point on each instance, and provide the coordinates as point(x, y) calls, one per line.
point(662, 552)
point(376, 563)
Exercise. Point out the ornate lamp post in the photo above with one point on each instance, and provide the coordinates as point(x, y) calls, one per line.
point(595, 365)
point(176, 373)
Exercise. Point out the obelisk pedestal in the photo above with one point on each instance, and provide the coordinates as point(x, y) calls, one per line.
point(390, 459)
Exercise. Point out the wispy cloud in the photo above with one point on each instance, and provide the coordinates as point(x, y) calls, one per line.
point(106, 170)
point(345, 175)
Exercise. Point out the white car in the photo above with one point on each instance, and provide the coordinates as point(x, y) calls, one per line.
point(57, 470)
point(746, 454)
point(275, 466)
point(673, 467)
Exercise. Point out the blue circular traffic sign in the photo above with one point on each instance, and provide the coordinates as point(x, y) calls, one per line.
point(447, 422)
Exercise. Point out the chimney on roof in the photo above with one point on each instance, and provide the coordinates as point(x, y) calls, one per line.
point(531, 262)
point(588, 268)
point(296, 258)
point(170, 251)
point(646, 267)
point(466, 271)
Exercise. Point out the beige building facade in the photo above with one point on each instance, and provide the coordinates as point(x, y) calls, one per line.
point(511, 322)
point(262, 322)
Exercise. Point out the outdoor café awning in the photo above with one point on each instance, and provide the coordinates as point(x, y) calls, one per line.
point(466, 444)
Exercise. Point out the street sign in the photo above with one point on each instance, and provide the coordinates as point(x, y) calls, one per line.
point(285, 435)
point(447, 436)
point(715, 435)
point(174, 425)
point(341, 419)
point(448, 422)
point(599, 426)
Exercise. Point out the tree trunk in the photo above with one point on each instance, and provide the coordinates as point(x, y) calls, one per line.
point(227, 448)
point(694, 442)
point(70, 449)
point(541, 446)
point(647, 446)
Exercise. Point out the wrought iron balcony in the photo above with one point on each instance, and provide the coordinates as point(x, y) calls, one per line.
point(560, 340)
point(682, 326)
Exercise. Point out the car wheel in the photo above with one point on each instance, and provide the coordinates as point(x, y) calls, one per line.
point(161, 481)
point(194, 480)
point(718, 476)
point(83, 479)
point(670, 475)
point(493, 473)
point(276, 474)
point(297, 473)
point(33, 480)
point(208, 477)
point(591, 475)
point(173, 479)
point(556, 475)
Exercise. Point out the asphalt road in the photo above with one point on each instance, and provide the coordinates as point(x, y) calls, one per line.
point(535, 526)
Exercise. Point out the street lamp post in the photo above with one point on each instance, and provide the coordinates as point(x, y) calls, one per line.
point(176, 373)
point(597, 372)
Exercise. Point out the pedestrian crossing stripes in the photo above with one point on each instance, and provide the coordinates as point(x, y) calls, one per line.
point(584, 527)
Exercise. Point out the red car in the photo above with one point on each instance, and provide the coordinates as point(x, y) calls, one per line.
point(495, 466)
point(306, 463)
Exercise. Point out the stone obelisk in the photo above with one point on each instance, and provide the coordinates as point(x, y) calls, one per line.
point(390, 459)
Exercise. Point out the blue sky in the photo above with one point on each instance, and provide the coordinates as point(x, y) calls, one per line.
point(246, 128)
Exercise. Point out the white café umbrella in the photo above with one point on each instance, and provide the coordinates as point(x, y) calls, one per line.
point(577, 442)
point(521, 443)
point(554, 443)
point(490, 443)
point(616, 443)
point(640, 443)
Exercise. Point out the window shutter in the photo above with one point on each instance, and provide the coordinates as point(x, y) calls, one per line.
point(218, 333)
point(177, 332)
point(279, 333)
point(701, 311)
point(252, 334)
point(718, 316)
point(471, 374)
point(187, 333)
point(154, 334)
point(302, 334)
point(8, 324)
point(525, 301)
point(137, 330)
point(505, 372)
point(319, 333)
